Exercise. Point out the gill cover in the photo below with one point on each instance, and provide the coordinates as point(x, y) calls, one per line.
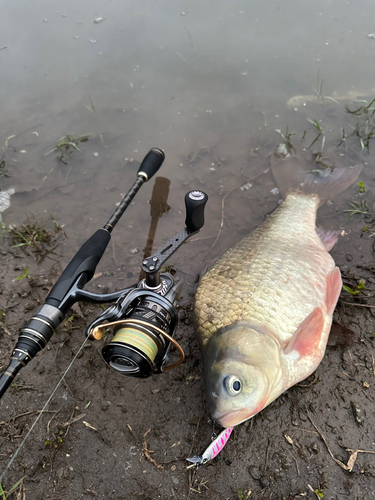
point(241, 368)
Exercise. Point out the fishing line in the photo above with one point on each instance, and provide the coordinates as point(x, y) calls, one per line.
point(41, 412)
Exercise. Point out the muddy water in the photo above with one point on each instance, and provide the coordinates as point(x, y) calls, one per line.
point(208, 82)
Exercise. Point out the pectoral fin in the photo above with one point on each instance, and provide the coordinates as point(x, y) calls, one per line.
point(334, 287)
point(306, 339)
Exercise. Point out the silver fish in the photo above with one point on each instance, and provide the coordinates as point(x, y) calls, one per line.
point(263, 312)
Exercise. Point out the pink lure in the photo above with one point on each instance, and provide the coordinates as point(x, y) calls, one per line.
point(213, 449)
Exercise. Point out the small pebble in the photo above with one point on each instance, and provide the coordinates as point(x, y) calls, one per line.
point(255, 472)
point(357, 412)
point(264, 482)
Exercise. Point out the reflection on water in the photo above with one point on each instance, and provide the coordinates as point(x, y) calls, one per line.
point(208, 82)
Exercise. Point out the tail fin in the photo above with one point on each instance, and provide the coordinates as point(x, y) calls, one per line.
point(296, 175)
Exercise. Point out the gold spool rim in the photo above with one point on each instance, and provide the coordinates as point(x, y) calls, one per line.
point(175, 344)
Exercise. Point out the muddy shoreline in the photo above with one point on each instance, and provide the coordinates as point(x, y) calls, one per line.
point(108, 436)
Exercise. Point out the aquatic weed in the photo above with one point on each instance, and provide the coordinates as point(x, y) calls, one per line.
point(364, 128)
point(68, 143)
point(318, 91)
point(286, 147)
point(320, 133)
point(3, 170)
point(357, 209)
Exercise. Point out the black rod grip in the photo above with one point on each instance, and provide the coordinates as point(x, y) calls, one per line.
point(195, 201)
point(8, 376)
point(151, 163)
point(84, 261)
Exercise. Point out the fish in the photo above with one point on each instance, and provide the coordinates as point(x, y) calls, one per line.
point(263, 312)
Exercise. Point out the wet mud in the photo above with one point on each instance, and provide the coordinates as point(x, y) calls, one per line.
point(112, 437)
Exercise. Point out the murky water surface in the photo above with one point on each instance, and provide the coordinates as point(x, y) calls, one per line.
point(209, 82)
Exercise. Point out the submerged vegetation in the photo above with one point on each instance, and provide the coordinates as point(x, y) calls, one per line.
point(286, 147)
point(364, 127)
point(318, 127)
point(66, 144)
point(3, 170)
point(358, 208)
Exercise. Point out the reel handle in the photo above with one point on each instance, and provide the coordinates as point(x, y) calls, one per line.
point(195, 201)
point(151, 163)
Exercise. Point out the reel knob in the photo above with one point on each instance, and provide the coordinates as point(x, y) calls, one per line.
point(195, 201)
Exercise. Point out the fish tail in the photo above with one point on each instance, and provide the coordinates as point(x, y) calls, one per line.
point(295, 175)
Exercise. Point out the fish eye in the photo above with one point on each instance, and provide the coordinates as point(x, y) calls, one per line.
point(232, 385)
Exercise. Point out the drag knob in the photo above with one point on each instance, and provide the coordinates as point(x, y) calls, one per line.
point(195, 201)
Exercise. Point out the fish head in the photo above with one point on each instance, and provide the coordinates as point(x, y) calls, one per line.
point(241, 367)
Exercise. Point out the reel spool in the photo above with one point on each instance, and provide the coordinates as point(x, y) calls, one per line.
point(142, 338)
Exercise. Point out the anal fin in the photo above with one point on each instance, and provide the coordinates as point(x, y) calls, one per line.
point(328, 237)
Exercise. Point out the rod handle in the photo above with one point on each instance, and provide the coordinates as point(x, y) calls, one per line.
point(84, 261)
point(151, 163)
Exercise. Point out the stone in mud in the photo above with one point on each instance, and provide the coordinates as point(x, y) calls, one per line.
point(255, 472)
point(357, 412)
point(264, 482)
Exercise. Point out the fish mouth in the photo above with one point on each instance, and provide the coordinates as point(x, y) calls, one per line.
point(234, 417)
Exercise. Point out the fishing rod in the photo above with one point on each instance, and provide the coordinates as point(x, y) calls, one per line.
point(144, 314)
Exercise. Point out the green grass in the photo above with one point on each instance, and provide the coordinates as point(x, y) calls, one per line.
point(360, 286)
point(24, 275)
point(243, 495)
point(362, 188)
point(32, 234)
point(6, 494)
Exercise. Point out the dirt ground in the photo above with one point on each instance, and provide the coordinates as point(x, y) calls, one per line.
point(112, 437)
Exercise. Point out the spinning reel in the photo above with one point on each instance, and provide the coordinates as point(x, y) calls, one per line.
point(143, 316)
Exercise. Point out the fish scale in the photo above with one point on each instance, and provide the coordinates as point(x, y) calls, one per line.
point(265, 274)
